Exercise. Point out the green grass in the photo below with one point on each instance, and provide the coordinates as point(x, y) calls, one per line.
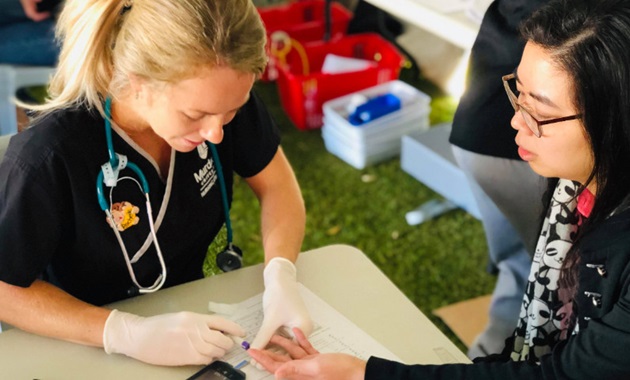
point(434, 264)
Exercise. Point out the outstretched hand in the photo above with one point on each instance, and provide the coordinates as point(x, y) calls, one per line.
point(304, 362)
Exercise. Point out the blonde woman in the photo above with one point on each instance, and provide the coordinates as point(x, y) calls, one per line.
point(152, 108)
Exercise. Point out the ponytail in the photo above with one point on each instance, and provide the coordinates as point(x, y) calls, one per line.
point(87, 30)
point(161, 41)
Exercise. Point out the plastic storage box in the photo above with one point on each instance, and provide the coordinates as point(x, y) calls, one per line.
point(303, 94)
point(379, 139)
point(427, 156)
point(303, 21)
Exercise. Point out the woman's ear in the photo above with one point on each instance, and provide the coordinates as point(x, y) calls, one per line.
point(137, 84)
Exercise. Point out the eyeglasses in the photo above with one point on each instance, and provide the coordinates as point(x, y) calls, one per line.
point(535, 125)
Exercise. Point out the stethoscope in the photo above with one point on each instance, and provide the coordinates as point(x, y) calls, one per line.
point(229, 259)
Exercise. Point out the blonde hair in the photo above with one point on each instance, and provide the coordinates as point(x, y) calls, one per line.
point(163, 41)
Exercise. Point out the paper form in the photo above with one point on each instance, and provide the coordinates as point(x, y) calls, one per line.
point(333, 332)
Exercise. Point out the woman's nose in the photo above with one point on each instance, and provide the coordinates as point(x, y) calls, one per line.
point(517, 122)
point(212, 130)
point(513, 121)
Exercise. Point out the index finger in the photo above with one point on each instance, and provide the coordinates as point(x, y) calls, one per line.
point(224, 325)
point(304, 342)
point(267, 330)
point(295, 350)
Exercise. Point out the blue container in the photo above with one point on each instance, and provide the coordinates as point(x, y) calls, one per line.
point(375, 108)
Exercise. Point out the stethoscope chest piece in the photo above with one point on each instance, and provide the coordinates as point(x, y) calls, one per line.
point(230, 258)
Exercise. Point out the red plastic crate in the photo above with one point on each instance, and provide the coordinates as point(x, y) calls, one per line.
point(302, 95)
point(303, 21)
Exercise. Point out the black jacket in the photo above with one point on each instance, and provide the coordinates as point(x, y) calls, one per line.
point(598, 351)
point(482, 121)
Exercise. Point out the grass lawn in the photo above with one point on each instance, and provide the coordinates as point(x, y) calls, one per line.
point(436, 263)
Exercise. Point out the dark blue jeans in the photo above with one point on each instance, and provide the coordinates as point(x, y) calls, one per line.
point(24, 41)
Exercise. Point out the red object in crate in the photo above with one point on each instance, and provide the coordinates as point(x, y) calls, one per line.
point(303, 21)
point(303, 94)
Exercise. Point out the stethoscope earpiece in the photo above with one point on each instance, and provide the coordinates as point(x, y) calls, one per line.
point(230, 258)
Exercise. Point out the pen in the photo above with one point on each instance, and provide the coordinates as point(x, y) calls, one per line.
point(240, 341)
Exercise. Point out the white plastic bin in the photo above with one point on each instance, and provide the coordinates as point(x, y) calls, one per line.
point(359, 158)
point(416, 105)
point(388, 135)
point(379, 139)
point(357, 155)
point(427, 156)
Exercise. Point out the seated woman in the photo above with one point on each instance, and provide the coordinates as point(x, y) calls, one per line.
point(571, 100)
point(125, 178)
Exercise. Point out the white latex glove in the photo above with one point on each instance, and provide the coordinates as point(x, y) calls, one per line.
point(282, 302)
point(169, 339)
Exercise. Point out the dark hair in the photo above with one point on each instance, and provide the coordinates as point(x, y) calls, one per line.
point(590, 41)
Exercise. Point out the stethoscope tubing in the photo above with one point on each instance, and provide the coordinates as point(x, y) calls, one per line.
point(224, 199)
point(115, 164)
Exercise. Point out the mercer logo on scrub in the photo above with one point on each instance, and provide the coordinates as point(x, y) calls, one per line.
point(206, 177)
point(203, 172)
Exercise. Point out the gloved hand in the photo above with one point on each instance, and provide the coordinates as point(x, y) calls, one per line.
point(282, 302)
point(169, 339)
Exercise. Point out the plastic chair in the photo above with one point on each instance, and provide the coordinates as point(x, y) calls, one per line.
point(12, 78)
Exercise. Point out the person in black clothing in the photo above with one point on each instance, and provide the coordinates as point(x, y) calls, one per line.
point(506, 190)
point(570, 98)
point(160, 92)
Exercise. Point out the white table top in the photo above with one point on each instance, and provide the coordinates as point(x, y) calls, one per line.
point(341, 275)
